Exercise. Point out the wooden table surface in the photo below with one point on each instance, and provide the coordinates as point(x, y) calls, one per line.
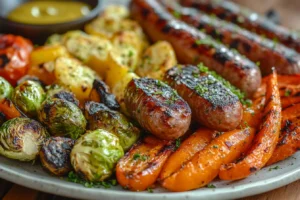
point(288, 11)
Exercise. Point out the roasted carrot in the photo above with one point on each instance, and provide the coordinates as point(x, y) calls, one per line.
point(265, 140)
point(141, 165)
point(289, 101)
point(252, 115)
point(8, 109)
point(289, 140)
point(42, 74)
point(204, 166)
point(186, 151)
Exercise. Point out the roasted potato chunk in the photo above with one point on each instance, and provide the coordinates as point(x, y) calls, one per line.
point(115, 11)
point(156, 60)
point(91, 50)
point(55, 155)
point(74, 76)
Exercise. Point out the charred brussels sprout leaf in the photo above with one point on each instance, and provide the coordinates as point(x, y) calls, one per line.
point(56, 91)
point(55, 155)
point(28, 97)
point(100, 116)
point(6, 89)
point(2, 118)
point(62, 118)
point(21, 138)
point(95, 155)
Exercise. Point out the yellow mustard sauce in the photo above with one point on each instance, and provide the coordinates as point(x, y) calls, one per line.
point(48, 12)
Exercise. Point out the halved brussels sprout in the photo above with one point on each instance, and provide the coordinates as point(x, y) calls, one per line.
point(62, 118)
point(21, 138)
point(57, 91)
point(95, 155)
point(6, 89)
point(100, 116)
point(55, 155)
point(28, 97)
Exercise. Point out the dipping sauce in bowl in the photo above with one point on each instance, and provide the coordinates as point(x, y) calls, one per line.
point(49, 12)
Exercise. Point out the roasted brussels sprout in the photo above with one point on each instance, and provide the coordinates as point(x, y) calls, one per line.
point(95, 155)
point(28, 97)
point(6, 89)
point(57, 91)
point(30, 78)
point(55, 155)
point(100, 116)
point(100, 93)
point(62, 118)
point(21, 138)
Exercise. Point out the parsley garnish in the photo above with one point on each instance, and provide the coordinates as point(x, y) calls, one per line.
point(226, 83)
point(211, 186)
point(73, 177)
point(177, 143)
point(215, 146)
point(176, 14)
point(273, 168)
point(150, 190)
point(138, 156)
point(287, 93)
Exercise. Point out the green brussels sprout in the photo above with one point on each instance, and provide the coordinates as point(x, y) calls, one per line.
point(21, 138)
point(57, 91)
point(6, 89)
point(100, 116)
point(62, 118)
point(28, 97)
point(95, 155)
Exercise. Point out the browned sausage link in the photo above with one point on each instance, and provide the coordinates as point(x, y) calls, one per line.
point(247, 19)
point(192, 46)
point(158, 108)
point(267, 52)
point(212, 104)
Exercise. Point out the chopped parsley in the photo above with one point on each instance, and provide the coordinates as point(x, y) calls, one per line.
point(204, 41)
point(150, 190)
point(226, 83)
point(215, 146)
point(73, 177)
point(274, 168)
point(287, 93)
point(130, 54)
point(138, 156)
point(211, 186)
point(257, 64)
point(176, 14)
point(177, 143)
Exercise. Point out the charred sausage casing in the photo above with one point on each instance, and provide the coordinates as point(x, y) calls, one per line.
point(247, 19)
point(266, 53)
point(192, 46)
point(212, 104)
point(158, 108)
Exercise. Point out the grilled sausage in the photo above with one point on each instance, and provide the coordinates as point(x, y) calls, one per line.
point(192, 46)
point(157, 108)
point(55, 155)
point(260, 50)
point(247, 19)
point(212, 104)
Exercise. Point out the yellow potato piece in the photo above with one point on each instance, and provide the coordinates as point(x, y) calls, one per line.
point(74, 76)
point(91, 50)
point(156, 60)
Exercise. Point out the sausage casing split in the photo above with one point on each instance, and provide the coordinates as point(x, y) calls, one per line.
point(247, 19)
point(158, 108)
point(212, 104)
point(192, 46)
point(258, 49)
